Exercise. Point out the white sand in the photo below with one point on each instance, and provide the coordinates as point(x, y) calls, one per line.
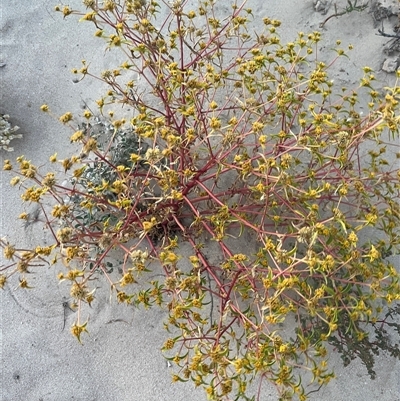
point(120, 361)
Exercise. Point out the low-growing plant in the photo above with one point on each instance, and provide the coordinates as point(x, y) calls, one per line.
point(7, 133)
point(256, 190)
point(351, 7)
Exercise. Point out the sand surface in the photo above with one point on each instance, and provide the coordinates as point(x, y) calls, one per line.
point(120, 360)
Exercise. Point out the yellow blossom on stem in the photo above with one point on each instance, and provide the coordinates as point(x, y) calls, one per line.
point(373, 254)
point(7, 165)
point(77, 330)
point(3, 280)
point(65, 118)
point(77, 136)
point(23, 283)
point(14, 181)
point(148, 225)
point(53, 158)
point(9, 252)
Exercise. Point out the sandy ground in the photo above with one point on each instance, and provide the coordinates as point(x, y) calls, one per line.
point(120, 360)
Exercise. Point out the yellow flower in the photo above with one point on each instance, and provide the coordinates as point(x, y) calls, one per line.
point(65, 118)
point(177, 195)
point(90, 145)
point(153, 155)
point(118, 186)
point(9, 252)
point(352, 237)
point(7, 165)
point(53, 158)
point(100, 103)
point(77, 136)
point(195, 261)
point(23, 283)
point(257, 126)
point(215, 123)
point(121, 168)
point(64, 234)
point(49, 180)
point(134, 157)
point(118, 123)
point(79, 171)
point(24, 216)
point(66, 11)
point(89, 16)
point(3, 280)
point(67, 164)
point(122, 297)
point(373, 254)
point(262, 139)
point(169, 344)
point(78, 291)
point(44, 251)
point(115, 40)
point(127, 279)
point(213, 105)
point(44, 107)
point(59, 210)
point(14, 181)
point(87, 114)
point(78, 329)
point(148, 225)
point(168, 257)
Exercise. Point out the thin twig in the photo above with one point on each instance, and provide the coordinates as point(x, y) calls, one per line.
point(350, 8)
point(118, 320)
point(388, 35)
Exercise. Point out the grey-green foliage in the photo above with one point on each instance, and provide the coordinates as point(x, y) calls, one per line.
point(7, 133)
point(118, 144)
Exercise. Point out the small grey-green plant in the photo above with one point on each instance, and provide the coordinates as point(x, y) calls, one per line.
point(7, 133)
point(116, 144)
point(347, 10)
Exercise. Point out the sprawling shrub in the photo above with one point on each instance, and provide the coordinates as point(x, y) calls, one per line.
point(245, 194)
